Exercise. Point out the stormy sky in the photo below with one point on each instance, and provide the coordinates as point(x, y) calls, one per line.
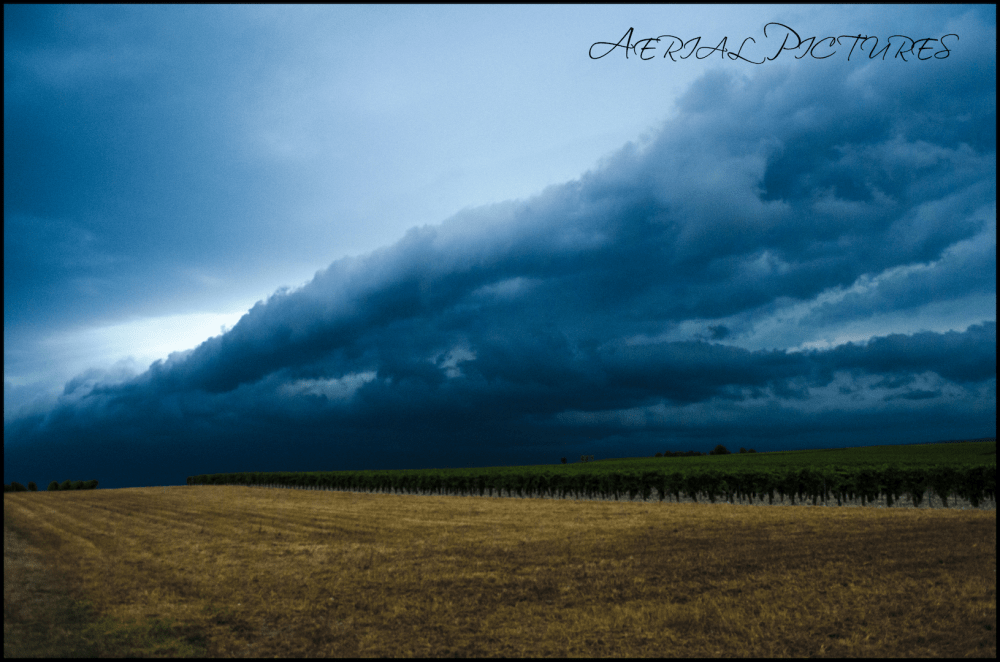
point(311, 238)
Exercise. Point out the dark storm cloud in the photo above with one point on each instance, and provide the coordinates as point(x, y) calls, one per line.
point(958, 357)
point(534, 324)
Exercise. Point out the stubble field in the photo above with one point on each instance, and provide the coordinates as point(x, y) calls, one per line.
point(236, 572)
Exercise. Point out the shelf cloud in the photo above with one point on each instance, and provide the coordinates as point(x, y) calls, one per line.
point(694, 287)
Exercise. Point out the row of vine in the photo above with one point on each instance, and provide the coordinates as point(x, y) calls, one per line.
point(972, 483)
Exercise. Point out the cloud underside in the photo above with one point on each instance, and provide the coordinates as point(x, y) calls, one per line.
point(689, 286)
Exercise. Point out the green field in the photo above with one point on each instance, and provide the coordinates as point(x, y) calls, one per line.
point(954, 454)
point(947, 454)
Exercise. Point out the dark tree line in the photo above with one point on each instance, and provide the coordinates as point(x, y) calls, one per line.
point(53, 486)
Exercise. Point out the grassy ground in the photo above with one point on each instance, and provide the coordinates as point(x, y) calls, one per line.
point(42, 620)
point(232, 572)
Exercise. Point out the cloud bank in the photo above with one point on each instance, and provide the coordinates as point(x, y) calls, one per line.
point(694, 288)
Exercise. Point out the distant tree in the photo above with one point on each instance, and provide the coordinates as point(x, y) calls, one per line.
point(719, 450)
point(564, 460)
point(18, 487)
point(90, 485)
point(77, 484)
point(742, 450)
point(7, 488)
point(32, 487)
point(751, 451)
point(65, 485)
point(53, 486)
point(659, 455)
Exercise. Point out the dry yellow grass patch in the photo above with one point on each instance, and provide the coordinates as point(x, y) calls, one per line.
point(234, 571)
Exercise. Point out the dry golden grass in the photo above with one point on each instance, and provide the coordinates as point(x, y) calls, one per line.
point(235, 571)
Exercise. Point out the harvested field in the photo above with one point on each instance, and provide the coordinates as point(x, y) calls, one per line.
point(235, 571)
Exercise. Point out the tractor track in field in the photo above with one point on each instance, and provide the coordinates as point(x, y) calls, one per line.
point(39, 619)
